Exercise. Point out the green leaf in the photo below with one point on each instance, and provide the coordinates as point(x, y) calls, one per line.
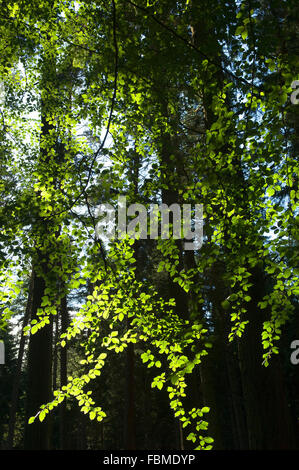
point(34, 329)
point(205, 409)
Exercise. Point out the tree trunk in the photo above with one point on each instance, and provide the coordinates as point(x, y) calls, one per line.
point(130, 425)
point(268, 417)
point(63, 375)
point(37, 435)
point(17, 377)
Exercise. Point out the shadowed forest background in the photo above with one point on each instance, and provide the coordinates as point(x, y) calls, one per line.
point(142, 344)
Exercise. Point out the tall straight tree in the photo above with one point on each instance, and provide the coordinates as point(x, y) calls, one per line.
point(39, 389)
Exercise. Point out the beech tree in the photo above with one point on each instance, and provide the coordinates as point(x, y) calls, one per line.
point(164, 103)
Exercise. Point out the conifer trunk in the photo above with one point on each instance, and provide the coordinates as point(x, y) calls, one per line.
point(39, 387)
point(37, 435)
point(17, 377)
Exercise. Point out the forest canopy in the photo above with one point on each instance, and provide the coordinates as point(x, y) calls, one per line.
point(139, 340)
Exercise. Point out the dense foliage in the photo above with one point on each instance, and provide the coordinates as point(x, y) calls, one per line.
point(140, 342)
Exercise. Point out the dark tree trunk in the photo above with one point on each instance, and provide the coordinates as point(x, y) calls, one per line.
point(130, 399)
point(130, 424)
point(236, 398)
point(63, 375)
point(17, 377)
point(267, 411)
point(37, 435)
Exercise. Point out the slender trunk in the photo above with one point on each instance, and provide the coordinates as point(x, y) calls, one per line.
point(17, 377)
point(37, 434)
point(130, 425)
point(236, 398)
point(169, 169)
point(55, 351)
point(63, 375)
point(130, 405)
